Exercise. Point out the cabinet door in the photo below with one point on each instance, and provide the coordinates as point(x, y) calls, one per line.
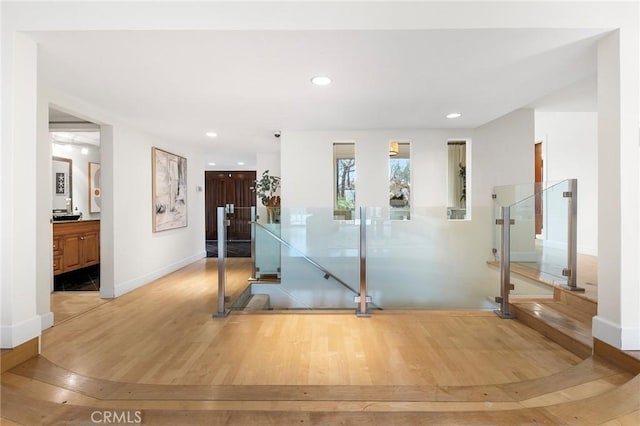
point(57, 255)
point(71, 252)
point(90, 248)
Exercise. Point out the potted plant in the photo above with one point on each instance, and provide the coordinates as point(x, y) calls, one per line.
point(266, 188)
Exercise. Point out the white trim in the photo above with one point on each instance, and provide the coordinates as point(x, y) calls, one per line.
point(131, 285)
point(46, 321)
point(17, 334)
point(630, 339)
point(626, 339)
point(607, 331)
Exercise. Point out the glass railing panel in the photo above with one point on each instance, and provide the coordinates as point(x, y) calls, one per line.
point(319, 260)
point(508, 195)
point(540, 256)
point(429, 262)
point(267, 246)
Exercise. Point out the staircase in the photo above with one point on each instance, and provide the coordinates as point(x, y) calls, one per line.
point(567, 317)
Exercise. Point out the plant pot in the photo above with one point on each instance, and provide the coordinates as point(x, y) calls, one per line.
point(273, 214)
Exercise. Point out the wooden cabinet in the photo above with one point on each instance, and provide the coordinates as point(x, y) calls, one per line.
point(75, 245)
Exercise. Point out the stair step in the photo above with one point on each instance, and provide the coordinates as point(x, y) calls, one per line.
point(258, 302)
point(576, 300)
point(569, 328)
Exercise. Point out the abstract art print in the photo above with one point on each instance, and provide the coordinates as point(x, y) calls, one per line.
point(169, 190)
point(94, 187)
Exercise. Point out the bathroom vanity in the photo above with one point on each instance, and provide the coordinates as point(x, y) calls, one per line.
point(76, 244)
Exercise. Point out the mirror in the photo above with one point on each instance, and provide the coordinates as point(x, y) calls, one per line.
point(62, 200)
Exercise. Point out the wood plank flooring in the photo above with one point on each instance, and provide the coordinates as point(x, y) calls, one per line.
point(158, 350)
point(68, 304)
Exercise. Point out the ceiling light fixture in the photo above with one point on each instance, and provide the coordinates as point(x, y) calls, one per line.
point(212, 164)
point(85, 151)
point(454, 115)
point(211, 134)
point(240, 163)
point(321, 80)
point(393, 149)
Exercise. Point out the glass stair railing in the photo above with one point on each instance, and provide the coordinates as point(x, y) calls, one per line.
point(535, 236)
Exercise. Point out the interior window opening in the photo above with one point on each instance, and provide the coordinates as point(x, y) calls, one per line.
point(457, 180)
point(344, 163)
point(399, 180)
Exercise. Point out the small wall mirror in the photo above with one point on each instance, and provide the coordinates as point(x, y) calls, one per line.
point(62, 200)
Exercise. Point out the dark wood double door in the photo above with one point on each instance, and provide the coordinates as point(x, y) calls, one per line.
point(231, 188)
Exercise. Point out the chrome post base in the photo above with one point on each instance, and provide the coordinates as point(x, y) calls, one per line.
point(504, 315)
point(221, 314)
point(571, 288)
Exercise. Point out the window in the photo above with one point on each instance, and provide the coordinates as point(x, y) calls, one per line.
point(399, 180)
point(457, 180)
point(344, 160)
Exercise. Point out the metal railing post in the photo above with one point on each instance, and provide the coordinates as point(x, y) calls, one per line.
point(363, 299)
point(571, 272)
point(505, 264)
point(222, 250)
point(254, 272)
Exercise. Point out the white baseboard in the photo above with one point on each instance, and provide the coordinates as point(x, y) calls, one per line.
point(591, 251)
point(46, 320)
point(624, 338)
point(561, 245)
point(128, 286)
point(524, 256)
point(16, 334)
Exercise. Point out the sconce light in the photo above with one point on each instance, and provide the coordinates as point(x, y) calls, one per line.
point(393, 149)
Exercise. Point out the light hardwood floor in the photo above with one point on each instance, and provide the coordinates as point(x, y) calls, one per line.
point(158, 349)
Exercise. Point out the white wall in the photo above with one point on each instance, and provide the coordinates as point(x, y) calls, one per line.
point(140, 254)
point(503, 155)
point(570, 144)
point(20, 322)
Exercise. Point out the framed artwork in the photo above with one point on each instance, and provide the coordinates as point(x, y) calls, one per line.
point(94, 187)
point(169, 184)
point(62, 195)
point(61, 183)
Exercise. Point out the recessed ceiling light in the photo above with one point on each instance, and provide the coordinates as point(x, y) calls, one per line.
point(211, 134)
point(454, 115)
point(85, 151)
point(321, 80)
point(212, 164)
point(240, 163)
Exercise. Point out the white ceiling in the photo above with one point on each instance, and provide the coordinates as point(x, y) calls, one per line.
point(246, 84)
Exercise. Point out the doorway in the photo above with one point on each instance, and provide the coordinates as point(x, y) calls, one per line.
point(234, 189)
point(538, 168)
